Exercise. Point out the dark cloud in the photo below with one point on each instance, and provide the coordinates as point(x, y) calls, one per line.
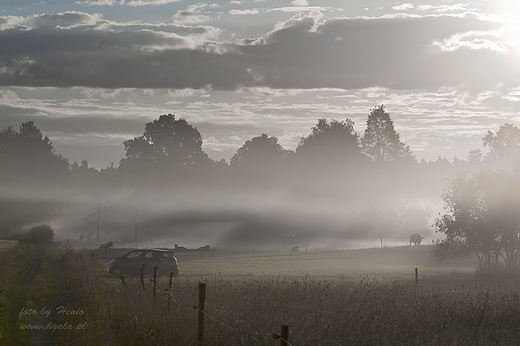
point(400, 52)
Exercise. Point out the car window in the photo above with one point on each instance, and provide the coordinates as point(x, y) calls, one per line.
point(134, 254)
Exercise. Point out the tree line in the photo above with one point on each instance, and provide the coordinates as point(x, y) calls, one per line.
point(375, 172)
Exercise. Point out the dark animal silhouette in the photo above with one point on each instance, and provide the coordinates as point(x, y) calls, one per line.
point(106, 245)
point(296, 248)
point(180, 248)
point(204, 247)
point(416, 239)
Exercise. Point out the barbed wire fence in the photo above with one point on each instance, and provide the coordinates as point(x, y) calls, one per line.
point(283, 336)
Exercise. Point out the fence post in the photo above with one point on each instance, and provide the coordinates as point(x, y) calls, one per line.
point(92, 255)
point(305, 249)
point(170, 291)
point(141, 270)
point(154, 282)
point(284, 340)
point(416, 278)
point(202, 297)
point(105, 253)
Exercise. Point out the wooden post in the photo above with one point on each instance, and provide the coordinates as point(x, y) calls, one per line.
point(154, 282)
point(381, 242)
point(305, 249)
point(92, 255)
point(285, 335)
point(416, 277)
point(141, 270)
point(105, 253)
point(170, 291)
point(202, 298)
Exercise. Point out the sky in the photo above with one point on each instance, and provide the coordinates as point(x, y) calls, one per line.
point(92, 73)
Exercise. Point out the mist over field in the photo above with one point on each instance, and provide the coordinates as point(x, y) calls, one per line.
point(331, 192)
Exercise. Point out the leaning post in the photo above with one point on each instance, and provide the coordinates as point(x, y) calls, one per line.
point(154, 282)
point(416, 277)
point(285, 335)
point(202, 297)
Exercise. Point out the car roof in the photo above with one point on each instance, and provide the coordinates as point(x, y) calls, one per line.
point(158, 250)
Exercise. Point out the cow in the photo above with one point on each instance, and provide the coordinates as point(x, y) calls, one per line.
point(204, 247)
point(179, 248)
point(296, 248)
point(107, 245)
point(416, 239)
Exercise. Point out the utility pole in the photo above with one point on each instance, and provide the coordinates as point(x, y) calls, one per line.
point(135, 218)
point(98, 212)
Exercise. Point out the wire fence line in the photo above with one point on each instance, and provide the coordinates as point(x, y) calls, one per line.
point(283, 336)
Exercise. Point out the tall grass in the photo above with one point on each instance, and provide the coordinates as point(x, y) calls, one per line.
point(442, 310)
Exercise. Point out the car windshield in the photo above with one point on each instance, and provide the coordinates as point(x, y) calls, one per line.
point(134, 254)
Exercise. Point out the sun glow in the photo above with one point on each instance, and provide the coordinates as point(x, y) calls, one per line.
point(510, 11)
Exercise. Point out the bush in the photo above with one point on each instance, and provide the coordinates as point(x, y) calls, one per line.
point(40, 235)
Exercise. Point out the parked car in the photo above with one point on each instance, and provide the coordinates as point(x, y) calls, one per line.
point(131, 263)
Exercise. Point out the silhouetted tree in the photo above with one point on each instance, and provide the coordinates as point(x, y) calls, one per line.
point(482, 217)
point(504, 146)
point(381, 141)
point(28, 157)
point(260, 158)
point(41, 235)
point(334, 141)
point(168, 145)
point(260, 150)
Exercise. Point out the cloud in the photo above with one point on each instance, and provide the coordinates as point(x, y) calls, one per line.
point(300, 3)
point(242, 12)
point(191, 15)
point(404, 52)
point(403, 7)
point(134, 3)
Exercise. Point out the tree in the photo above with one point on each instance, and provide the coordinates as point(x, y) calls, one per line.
point(167, 145)
point(260, 150)
point(482, 218)
point(334, 141)
point(504, 146)
point(27, 156)
point(381, 142)
point(41, 235)
point(259, 159)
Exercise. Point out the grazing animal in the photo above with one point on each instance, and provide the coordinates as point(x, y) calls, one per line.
point(107, 245)
point(416, 239)
point(180, 248)
point(66, 248)
point(296, 248)
point(204, 247)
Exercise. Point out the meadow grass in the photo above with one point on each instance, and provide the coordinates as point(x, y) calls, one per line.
point(454, 308)
point(246, 306)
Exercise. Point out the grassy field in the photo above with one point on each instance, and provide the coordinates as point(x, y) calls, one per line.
point(326, 297)
point(375, 262)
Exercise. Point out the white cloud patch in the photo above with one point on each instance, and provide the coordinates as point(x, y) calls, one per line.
point(191, 15)
point(300, 3)
point(134, 3)
point(403, 7)
point(244, 12)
